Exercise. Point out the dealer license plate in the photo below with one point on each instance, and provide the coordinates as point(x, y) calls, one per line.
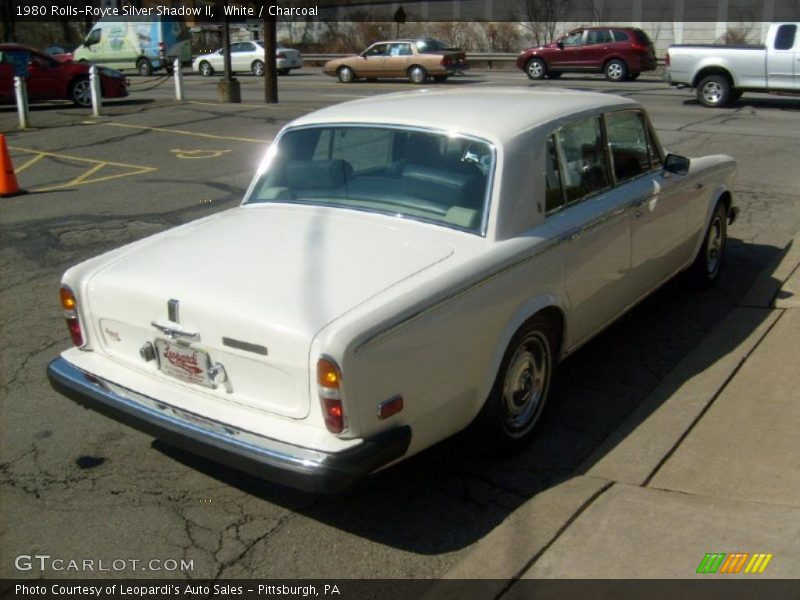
point(184, 363)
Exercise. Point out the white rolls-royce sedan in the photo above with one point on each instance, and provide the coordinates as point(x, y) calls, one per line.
point(401, 267)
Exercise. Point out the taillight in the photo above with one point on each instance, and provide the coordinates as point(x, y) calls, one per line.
point(329, 378)
point(639, 47)
point(666, 59)
point(280, 55)
point(446, 61)
point(70, 306)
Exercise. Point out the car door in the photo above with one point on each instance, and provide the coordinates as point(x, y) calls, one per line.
point(592, 224)
point(6, 77)
point(659, 202)
point(371, 62)
point(783, 68)
point(45, 80)
point(239, 55)
point(598, 46)
point(570, 49)
point(93, 46)
point(398, 59)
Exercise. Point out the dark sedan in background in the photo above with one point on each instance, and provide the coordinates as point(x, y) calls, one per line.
point(51, 79)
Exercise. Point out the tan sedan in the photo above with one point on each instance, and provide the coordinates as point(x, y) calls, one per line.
point(416, 60)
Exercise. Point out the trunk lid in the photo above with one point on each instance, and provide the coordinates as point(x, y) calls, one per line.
point(255, 284)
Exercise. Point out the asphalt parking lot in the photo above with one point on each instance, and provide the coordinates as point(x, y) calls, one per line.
point(76, 484)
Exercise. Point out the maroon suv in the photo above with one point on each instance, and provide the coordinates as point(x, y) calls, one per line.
point(619, 52)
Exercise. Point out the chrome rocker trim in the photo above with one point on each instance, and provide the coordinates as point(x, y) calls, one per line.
point(287, 464)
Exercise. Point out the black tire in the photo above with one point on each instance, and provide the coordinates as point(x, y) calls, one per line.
point(205, 69)
point(714, 91)
point(616, 70)
point(144, 67)
point(554, 74)
point(518, 397)
point(284, 71)
point(257, 68)
point(80, 92)
point(346, 75)
point(708, 263)
point(633, 76)
point(735, 95)
point(417, 74)
point(535, 69)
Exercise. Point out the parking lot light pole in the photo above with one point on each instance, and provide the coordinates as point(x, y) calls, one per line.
point(228, 86)
point(21, 92)
point(270, 48)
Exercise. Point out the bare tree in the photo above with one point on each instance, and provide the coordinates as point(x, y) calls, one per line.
point(542, 17)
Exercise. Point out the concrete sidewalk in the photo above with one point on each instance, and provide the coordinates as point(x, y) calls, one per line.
point(710, 463)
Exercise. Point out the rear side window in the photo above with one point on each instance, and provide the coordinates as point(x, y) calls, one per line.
point(602, 36)
point(584, 167)
point(620, 36)
point(554, 193)
point(784, 39)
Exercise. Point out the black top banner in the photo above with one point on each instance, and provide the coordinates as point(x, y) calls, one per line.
point(243, 11)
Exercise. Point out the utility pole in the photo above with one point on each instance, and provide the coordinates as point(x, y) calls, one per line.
point(270, 46)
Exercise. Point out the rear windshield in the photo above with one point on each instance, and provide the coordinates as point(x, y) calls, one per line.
point(430, 46)
point(421, 175)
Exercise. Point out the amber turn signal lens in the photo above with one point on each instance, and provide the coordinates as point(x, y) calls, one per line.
point(328, 375)
point(68, 299)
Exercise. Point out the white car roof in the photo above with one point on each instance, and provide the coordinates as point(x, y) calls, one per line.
point(497, 114)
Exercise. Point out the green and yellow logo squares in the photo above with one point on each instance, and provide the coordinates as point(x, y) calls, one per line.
point(720, 562)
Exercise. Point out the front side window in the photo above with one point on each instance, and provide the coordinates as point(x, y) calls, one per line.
point(573, 39)
point(631, 151)
point(376, 50)
point(94, 37)
point(584, 166)
point(421, 175)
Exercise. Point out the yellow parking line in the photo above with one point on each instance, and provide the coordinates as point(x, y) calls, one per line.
point(183, 132)
point(221, 105)
point(80, 158)
point(36, 158)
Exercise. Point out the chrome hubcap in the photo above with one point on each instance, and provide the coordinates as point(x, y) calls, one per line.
point(83, 92)
point(258, 69)
point(206, 69)
point(615, 71)
point(525, 385)
point(346, 75)
point(417, 75)
point(535, 69)
point(714, 246)
point(712, 92)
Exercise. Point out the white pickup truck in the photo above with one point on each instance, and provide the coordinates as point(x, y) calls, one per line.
point(720, 74)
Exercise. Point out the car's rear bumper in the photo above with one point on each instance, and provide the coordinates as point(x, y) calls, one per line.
point(295, 466)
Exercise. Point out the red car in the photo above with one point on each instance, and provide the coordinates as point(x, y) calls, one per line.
point(50, 79)
point(619, 52)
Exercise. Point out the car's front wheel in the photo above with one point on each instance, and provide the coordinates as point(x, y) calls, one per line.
point(80, 92)
point(706, 267)
point(206, 70)
point(616, 70)
point(257, 68)
point(714, 91)
point(519, 394)
point(535, 68)
point(417, 74)
point(144, 67)
point(346, 75)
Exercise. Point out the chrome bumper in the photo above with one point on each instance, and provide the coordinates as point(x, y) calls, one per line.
point(287, 464)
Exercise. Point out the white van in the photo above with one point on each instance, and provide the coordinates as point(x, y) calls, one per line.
point(145, 44)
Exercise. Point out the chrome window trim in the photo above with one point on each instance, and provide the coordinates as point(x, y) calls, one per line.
point(490, 178)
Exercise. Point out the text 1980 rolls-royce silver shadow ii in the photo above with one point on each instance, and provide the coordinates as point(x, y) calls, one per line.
point(401, 267)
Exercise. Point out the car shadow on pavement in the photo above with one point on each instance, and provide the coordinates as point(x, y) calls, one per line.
point(448, 497)
point(775, 102)
point(65, 104)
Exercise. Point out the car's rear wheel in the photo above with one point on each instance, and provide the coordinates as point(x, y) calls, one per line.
point(417, 74)
point(80, 92)
point(206, 70)
point(257, 68)
point(144, 67)
point(346, 75)
point(708, 263)
point(535, 68)
point(616, 70)
point(714, 91)
point(519, 394)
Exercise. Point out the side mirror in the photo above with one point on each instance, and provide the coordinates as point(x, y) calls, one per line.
point(677, 164)
point(560, 44)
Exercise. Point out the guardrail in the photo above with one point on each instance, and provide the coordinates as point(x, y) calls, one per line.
point(488, 57)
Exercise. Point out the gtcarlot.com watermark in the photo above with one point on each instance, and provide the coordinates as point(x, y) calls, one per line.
point(46, 563)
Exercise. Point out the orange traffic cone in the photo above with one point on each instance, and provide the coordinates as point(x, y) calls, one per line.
point(8, 180)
